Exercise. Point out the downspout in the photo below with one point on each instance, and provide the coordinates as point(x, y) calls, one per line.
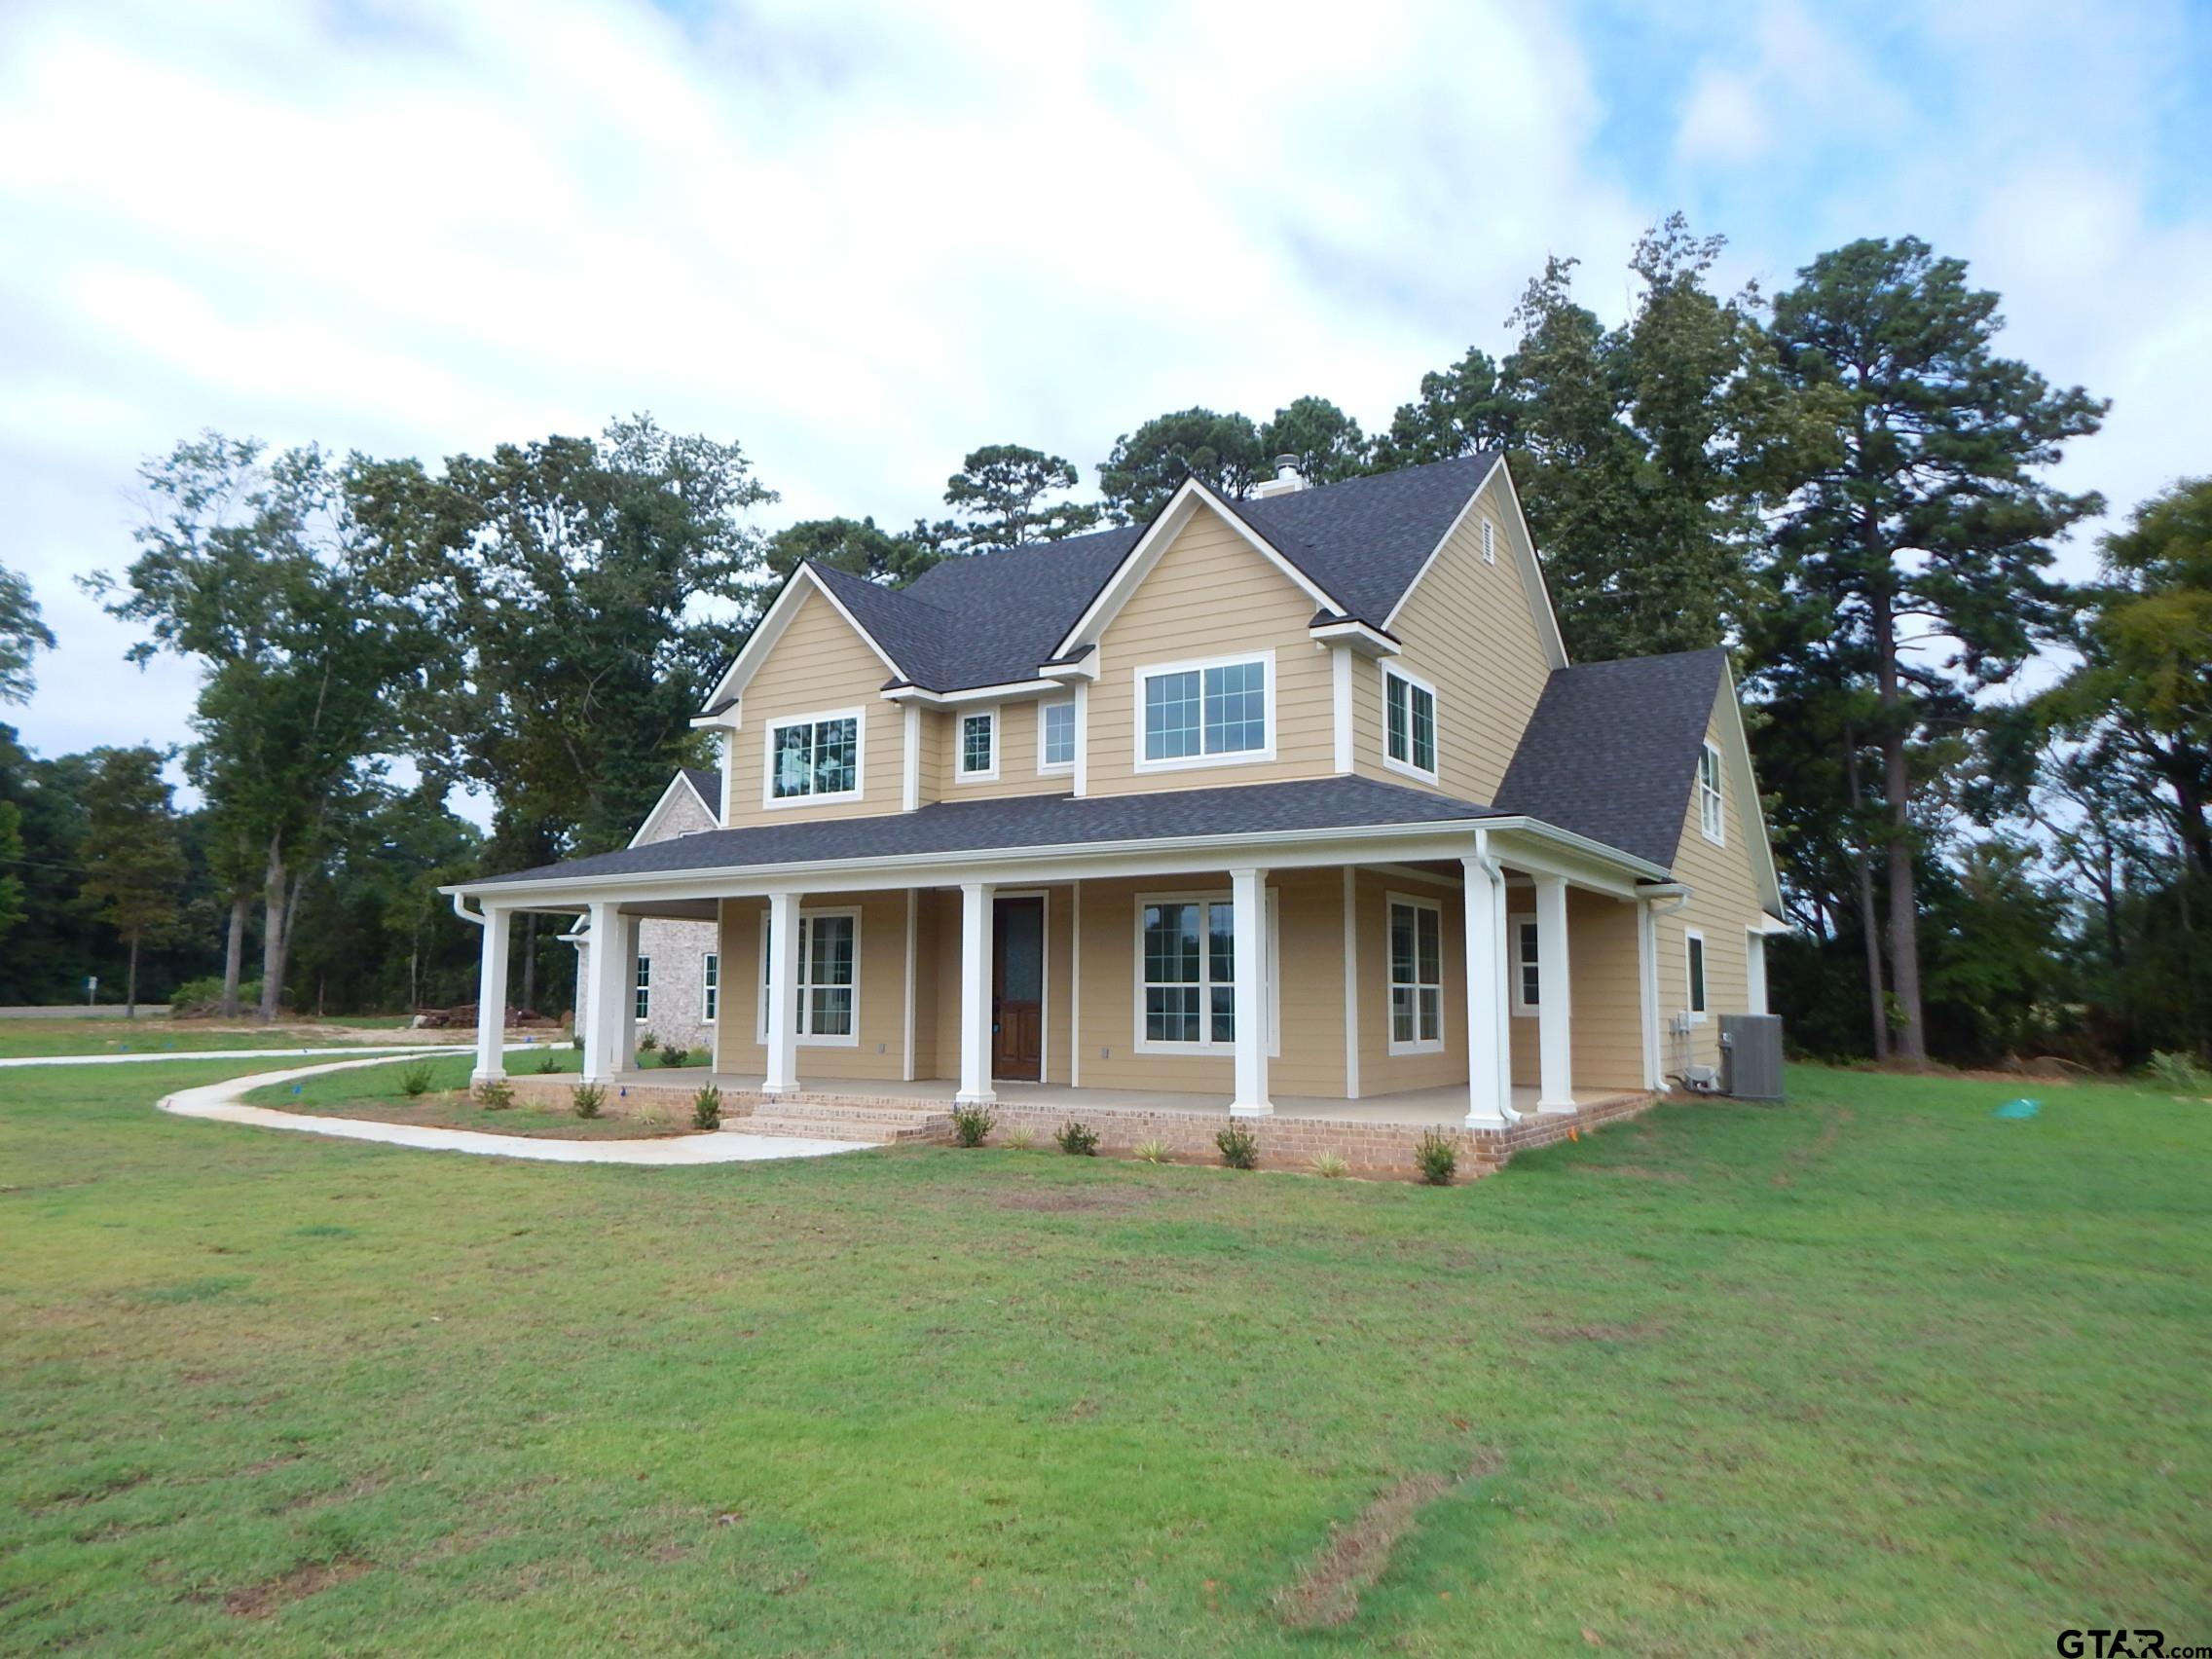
point(1488, 864)
point(1677, 894)
point(475, 918)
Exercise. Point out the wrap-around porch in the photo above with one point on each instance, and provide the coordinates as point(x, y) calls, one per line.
point(1471, 991)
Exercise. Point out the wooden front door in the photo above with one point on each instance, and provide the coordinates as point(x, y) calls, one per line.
point(1017, 990)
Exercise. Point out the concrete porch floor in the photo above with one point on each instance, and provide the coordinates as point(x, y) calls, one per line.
point(1446, 1105)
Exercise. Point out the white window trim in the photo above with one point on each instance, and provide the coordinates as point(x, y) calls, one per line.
point(641, 979)
point(1206, 1045)
point(1689, 980)
point(1712, 803)
point(1391, 671)
point(1517, 959)
point(961, 718)
point(1415, 1045)
point(807, 1039)
point(1199, 665)
point(1048, 768)
point(710, 988)
point(771, 800)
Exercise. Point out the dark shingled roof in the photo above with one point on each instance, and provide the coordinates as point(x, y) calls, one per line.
point(1612, 751)
point(991, 618)
point(708, 785)
point(1031, 821)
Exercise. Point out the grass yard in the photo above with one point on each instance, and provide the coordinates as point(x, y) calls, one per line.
point(1871, 1373)
point(65, 1036)
point(374, 1092)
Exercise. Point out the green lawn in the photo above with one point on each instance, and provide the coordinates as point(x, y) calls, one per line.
point(373, 1092)
point(1871, 1373)
point(65, 1036)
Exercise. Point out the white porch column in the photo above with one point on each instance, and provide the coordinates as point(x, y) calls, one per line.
point(1648, 989)
point(976, 913)
point(783, 994)
point(610, 958)
point(1487, 1104)
point(1248, 894)
point(492, 996)
point(1555, 1006)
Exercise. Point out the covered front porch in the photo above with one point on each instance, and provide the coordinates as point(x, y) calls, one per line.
point(1419, 975)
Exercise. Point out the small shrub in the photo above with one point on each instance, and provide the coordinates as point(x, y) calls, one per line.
point(1151, 1152)
point(415, 1080)
point(1077, 1140)
point(1240, 1147)
point(590, 1097)
point(1436, 1158)
point(647, 1042)
point(2178, 1073)
point(207, 994)
point(1330, 1168)
point(676, 1054)
point(1022, 1140)
point(707, 1108)
point(547, 1065)
point(971, 1125)
point(578, 1042)
point(495, 1094)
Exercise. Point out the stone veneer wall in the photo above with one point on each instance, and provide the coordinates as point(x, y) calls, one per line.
point(1285, 1143)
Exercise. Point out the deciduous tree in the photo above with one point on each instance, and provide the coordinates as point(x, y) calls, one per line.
point(134, 859)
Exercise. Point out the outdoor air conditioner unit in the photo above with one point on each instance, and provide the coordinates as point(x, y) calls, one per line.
point(1751, 1056)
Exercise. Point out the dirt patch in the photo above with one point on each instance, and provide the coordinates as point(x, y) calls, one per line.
point(1326, 1594)
point(309, 1579)
point(1060, 1201)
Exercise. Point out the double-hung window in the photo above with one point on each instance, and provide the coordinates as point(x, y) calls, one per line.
point(1409, 724)
point(1710, 818)
point(1694, 946)
point(641, 993)
point(1416, 976)
point(978, 745)
point(1187, 974)
point(815, 758)
point(829, 977)
point(1527, 967)
point(1195, 713)
point(710, 988)
point(1055, 735)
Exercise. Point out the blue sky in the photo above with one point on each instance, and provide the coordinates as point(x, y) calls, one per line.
point(863, 238)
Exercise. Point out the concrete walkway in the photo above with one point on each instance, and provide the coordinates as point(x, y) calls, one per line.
point(224, 1103)
point(387, 1051)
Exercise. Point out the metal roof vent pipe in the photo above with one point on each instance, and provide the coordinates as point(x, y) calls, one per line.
point(1286, 479)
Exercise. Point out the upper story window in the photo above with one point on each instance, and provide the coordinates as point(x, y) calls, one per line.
point(1409, 723)
point(815, 758)
point(1710, 818)
point(1197, 713)
point(978, 745)
point(1055, 735)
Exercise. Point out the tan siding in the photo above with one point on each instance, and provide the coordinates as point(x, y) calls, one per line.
point(1468, 631)
point(1017, 757)
point(881, 1052)
point(1607, 1005)
point(1211, 594)
point(1725, 904)
point(818, 665)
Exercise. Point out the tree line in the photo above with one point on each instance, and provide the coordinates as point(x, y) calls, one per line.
point(1847, 483)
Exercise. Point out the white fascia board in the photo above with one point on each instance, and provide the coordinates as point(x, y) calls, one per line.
point(1137, 563)
point(1012, 689)
point(1532, 570)
point(1751, 818)
point(1355, 637)
point(681, 783)
point(1577, 857)
point(1450, 531)
point(729, 719)
point(771, 628)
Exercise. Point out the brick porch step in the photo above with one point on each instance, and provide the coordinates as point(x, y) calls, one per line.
point(823, 1121)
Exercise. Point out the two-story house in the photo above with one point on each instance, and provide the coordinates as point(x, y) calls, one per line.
point(1293, 798)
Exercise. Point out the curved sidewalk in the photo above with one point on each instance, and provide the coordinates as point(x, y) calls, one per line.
point(224, 1103)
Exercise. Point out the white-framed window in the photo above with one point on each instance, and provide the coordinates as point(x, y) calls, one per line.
point(1709, 814)
point(978, 761)
point(829, 977)
point(1490, 542)
point(642, 992)
point(711, 986)
point(1693, 950)
point(1205, 713)
point(1528, 965)
point(1056, 736)
point(1416, 976)
point(1409, 724)
point(1186, 975)
point(813, 757)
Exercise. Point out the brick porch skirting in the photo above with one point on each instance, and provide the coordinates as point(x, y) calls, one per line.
point(1373, 1150)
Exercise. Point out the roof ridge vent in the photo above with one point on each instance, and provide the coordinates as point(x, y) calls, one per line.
point(1287, 478)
